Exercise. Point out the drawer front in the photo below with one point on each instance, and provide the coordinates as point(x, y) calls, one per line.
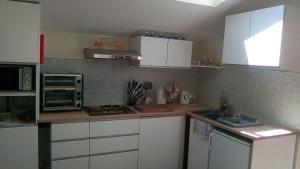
point(114, 128)
point(75, 163)
point(126, 160)
point(68, 131)
point(113, 144)
point(69, 149)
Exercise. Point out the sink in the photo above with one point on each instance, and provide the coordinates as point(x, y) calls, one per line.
point(236, 122)
point(242, 121)
point(210, 114)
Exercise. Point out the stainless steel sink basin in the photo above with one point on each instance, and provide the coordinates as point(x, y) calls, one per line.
point(240, 121)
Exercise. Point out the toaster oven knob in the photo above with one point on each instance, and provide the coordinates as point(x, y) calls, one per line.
point(78, 81)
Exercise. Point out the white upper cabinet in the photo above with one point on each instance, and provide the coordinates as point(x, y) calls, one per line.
point(160, 52)
point(254, 38)
point(264, 43)
point(19, 31)
point(290, 60)
point(153, 50)
point(236, 32)
point(179, 53)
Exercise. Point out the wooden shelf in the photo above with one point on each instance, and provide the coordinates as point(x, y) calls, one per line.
point(17, 93)
point(208, 67)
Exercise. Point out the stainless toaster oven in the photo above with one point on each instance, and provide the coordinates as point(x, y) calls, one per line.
point(61, 92)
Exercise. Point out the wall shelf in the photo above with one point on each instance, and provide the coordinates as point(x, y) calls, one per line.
point(208, 67)
point(17, 93)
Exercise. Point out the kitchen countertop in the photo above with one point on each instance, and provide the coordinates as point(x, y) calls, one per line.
point(81, 116)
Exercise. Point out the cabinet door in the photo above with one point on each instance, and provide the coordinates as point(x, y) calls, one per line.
point(228, 152)
point(74, 163)
point(161, 143)
point(19, 148)
point(19, 31)
point(69, 149)
point(114, 128)
point(70, 131)
point(125, 160)
point(236, 33)
point(154, 51)
point(114, 144)
point(264, 44)
point(179, 53)
point(198, 147)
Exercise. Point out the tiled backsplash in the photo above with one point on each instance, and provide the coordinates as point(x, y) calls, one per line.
point(105, 81)
point(273, 96)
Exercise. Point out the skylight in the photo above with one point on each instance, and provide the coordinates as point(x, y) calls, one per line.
point(212, 3)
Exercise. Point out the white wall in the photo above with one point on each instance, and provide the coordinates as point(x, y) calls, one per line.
point(68, 45)
point(271, 95)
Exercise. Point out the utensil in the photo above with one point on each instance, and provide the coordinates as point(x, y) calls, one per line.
point(134, 92)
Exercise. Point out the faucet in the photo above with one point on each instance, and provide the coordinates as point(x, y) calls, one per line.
point(225, 108)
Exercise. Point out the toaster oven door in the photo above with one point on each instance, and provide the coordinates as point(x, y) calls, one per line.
point(61, 99)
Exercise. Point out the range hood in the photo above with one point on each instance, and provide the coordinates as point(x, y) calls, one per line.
point(91, 53)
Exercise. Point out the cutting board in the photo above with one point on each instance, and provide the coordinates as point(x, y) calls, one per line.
point(154, 108)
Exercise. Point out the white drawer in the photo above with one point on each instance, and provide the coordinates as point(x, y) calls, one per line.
point(126, 160)
point(114, 144)
point(69, 149)
point(75, 163)
point(69, 131)
point(113, 128)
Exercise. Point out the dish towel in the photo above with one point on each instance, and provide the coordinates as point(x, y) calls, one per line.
point(201, 129)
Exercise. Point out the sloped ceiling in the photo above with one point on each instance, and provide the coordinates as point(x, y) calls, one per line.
point(123, 17)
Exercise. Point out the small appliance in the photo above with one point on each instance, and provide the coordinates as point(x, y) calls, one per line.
point(16, 78)
point(61, 92)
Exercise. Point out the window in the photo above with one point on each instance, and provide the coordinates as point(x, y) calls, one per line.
point(212, 3)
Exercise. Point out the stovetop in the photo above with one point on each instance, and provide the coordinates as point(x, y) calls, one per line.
point(108, 110)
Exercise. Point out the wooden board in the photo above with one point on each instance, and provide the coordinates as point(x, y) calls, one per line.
point(154, 108)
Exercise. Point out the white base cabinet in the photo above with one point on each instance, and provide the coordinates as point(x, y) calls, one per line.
point(95, 145)
point(124, 160)
point(74, 163)
point(19, 148)
point(198, 147)
point(161, 143)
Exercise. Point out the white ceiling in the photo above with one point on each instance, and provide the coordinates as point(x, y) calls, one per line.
point(122, 17)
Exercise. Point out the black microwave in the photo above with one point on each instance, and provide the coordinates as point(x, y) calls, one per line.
point(16, 78)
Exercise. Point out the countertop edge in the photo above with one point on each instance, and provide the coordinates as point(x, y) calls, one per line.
point(179, 110)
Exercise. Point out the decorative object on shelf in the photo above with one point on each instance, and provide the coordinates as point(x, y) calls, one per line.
point(185, 97)
point(160, 98)
point(134, 92)
point(173, 93)
point(206, 62)
point(108, 43)
point(147, 90)
point(161, 35)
